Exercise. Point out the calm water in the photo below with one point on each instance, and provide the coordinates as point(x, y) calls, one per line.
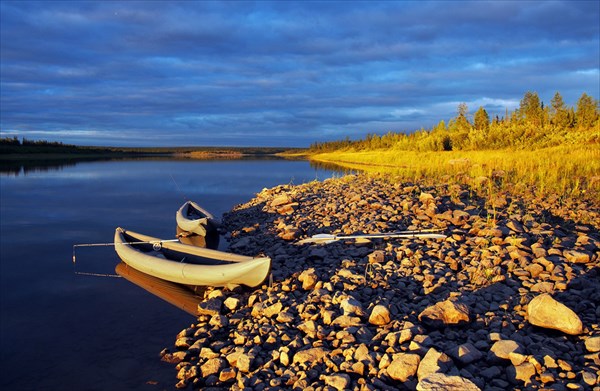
point(63, 331)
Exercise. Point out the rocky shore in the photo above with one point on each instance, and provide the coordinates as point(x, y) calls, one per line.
point(509, 300)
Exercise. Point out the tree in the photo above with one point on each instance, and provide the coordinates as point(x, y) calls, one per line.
point(587, 111)
point(530, 109)
point(559, 114)
point(481, 119)
point(461, 122)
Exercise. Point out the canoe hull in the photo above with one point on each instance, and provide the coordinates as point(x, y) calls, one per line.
point(217, 269)
point(193, 220)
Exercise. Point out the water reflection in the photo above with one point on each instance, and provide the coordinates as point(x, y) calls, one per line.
point(16, 167)
point(183, 297)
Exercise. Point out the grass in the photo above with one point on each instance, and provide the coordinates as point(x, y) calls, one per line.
point(564, 170)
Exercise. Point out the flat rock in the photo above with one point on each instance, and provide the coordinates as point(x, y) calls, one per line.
point(502, 349)
point(442, 382)
point(523, 372)
point(309, 355)
point(592, 344)
point(339, 381)
point(445, 313)
point(544, 311)
point(433, 362)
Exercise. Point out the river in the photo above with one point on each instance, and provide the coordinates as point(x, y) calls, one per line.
point(61, 330)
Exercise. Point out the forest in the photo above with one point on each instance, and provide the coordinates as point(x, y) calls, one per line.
point(532, 125)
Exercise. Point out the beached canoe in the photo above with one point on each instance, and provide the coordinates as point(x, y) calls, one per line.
point(197, 226)
point(191, 265)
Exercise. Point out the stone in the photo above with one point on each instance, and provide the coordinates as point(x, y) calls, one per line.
point(544, 311)
point(308, 278)
point(281, 200)
point(445, 313)
point(227, 374)
point(285, 317)
point(433, 362)
point(376, 257)
point(466, 353)
point(212, 366)
point(232, 303)
point(346, 321)
point(404, 366)
point(576, 256)
point(339, 381)
point(592, 344)
point(502, 349)
point(273, 310)
point(443, 382)
point(380, 315)
point(523, 372)
point(210, 307)
point(351, 306)
point(309, 355)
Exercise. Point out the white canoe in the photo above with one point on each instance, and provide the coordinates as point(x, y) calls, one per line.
point(191, 265)
point(191, 217)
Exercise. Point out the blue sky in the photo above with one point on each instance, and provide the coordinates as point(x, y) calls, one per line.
point(280, 73)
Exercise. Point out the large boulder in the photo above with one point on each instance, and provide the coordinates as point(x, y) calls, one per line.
point(445, 313)
point(544, 311)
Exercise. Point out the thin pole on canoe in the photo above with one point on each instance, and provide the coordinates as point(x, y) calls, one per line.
point(75, 246)
point(178, 188)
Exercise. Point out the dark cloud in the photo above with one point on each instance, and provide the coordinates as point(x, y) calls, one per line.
point(280, 73)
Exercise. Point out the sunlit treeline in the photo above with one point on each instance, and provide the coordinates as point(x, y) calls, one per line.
point(532, 125)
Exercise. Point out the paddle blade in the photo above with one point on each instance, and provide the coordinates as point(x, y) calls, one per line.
point(318, 239)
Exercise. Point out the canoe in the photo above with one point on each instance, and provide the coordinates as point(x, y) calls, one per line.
point(196, 226)
point(176, 294)
point(190, 265)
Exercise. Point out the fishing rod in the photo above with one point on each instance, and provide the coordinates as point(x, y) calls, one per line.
point(421, 234)
point(157, 244)
point(178, 188)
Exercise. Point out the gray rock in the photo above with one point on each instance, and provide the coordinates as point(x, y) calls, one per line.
point(465, 353)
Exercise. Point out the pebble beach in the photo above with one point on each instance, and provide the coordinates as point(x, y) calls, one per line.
point(510, 299)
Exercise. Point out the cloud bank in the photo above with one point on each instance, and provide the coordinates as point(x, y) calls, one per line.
point(280, 73)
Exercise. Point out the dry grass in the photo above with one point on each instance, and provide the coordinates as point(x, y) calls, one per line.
point(565, 171)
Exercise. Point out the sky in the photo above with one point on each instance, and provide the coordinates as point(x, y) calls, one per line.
point(183, 73)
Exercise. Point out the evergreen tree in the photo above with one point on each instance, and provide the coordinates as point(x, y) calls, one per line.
point(586, 114)
point(559, 114)
point(481, 119)
point(530, 109)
